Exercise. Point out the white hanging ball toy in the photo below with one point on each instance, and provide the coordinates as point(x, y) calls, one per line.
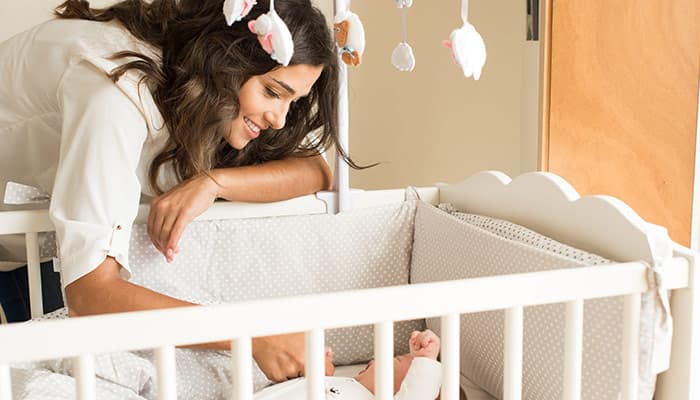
point(402, 57)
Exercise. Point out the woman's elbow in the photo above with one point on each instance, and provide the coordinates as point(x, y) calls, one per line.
point(84, 296)
point(323, 173)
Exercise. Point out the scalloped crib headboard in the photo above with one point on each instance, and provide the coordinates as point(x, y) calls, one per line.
point(546, 203)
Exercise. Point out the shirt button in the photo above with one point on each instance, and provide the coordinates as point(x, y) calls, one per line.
point(119, 227)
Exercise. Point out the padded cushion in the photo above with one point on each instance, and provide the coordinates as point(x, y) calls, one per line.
point(243, 259)
point(463, 246)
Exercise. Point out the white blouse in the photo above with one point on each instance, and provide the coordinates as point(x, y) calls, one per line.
point(68, 130)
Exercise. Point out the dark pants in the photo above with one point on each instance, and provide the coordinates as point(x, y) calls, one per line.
point(14, 292)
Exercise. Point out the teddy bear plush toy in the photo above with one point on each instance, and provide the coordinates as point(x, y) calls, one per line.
point(349, 34)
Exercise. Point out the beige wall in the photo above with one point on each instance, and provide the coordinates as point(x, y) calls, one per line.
point(433, 124)
point(428, 125)
point(16, 16)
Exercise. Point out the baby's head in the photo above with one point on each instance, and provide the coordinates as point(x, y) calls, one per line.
point(401, 365)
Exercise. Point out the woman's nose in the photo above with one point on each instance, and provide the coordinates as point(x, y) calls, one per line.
point(277, 118)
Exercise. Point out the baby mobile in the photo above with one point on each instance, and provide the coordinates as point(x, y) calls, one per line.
point(466, 44)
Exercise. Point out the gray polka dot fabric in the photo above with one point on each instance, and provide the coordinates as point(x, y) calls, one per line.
point(233, 260)
point(460, 246)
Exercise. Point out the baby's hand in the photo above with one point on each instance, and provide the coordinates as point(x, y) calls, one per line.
point(330, 368)
point(424, 344)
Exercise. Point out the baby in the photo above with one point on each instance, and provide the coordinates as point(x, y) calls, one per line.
point(417, 376)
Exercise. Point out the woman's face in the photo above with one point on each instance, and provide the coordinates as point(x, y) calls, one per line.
point(265, 100)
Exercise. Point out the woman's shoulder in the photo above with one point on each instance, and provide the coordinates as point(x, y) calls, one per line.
point(95, 43)
point(101, 39)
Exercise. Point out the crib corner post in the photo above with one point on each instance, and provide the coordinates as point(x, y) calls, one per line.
point(682, 380)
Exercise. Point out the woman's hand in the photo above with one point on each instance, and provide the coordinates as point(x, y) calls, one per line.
point(281, 357)
point(172, 211)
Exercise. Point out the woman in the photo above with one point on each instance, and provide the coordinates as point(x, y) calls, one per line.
point(165, 99)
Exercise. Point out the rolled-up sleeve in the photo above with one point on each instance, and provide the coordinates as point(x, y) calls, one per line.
point(96, 191)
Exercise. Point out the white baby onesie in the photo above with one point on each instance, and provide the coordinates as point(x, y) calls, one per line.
point(422, 382)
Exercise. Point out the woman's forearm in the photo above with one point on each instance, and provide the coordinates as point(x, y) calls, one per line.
point(274, 180)
point(103, 291)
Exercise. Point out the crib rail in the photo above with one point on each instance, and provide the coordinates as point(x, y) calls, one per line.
point(162, 329)
point(32, 222)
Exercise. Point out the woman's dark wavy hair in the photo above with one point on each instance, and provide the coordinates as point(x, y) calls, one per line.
point(204, 64)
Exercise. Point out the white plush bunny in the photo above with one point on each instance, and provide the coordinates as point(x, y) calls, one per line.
point(274, 36)
point(468, 50)
point(235, 10)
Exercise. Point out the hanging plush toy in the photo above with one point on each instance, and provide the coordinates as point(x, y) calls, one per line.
point(349, 33)
point(468, 49)
point(402, 57)
point(274, 36)
point(235, 10)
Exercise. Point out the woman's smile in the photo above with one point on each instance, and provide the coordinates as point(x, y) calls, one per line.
point(253, 128)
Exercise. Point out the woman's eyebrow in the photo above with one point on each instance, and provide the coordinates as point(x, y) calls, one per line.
point(285, 86)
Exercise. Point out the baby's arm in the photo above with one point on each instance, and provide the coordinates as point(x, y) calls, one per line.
point(422, 382)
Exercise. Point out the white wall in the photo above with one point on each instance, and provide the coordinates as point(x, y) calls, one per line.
point(16, 16)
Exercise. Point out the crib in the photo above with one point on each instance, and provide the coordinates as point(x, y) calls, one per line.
point(646, 266)
point(541, 201)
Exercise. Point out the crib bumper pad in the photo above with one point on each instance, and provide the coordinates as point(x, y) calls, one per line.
point(463, 245)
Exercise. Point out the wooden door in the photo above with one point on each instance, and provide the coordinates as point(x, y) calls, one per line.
point(620, 103)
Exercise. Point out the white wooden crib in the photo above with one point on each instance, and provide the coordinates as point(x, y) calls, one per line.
point(540, 201)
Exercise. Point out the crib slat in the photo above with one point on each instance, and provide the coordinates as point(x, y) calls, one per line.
point(573, 350)
point(84, 374)
point(449, 330)
point(384, 359)
point(513, 354)
point(242, 358)
point(630, 347)
point(165, 367)
point(5, 382)
point(36, 303)
point(315, 364)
